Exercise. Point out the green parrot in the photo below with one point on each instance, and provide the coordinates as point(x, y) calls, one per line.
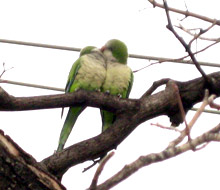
point(88, 72)
point(119, 77)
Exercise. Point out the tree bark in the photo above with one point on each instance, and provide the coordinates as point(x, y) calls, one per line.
point(20, 171)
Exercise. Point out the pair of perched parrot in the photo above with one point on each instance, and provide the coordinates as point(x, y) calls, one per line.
point(103, 70)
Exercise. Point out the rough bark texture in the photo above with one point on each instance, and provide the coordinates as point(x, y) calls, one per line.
point(20, 171)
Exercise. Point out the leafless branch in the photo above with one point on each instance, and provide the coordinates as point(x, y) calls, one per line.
point(182, 112)
point(188, 31)
point(186, 13)
point(192, 122)
point(5, 70)
point(142, 161)
point(99, 171)
point(181, 40)
point(212, 104)
point(155, 85)
point(201, 32)
point(168, 128)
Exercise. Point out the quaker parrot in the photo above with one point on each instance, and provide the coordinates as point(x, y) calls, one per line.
point(88, 72)
point(119, 77)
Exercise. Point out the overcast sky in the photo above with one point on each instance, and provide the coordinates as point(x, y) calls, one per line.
point(85, 22)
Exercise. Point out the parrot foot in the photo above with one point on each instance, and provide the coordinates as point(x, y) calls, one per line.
point(119, 95)
point(107, 92)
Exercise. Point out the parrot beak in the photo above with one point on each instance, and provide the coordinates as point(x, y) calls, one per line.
point(103, 48)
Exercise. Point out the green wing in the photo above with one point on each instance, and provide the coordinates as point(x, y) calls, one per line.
point(130, 85)
point(72, 75)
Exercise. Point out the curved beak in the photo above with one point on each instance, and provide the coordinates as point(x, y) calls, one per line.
point(103, 48)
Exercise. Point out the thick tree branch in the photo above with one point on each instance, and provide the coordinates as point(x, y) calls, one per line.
point(18, 170)
point(161, 103)
point(81, 97)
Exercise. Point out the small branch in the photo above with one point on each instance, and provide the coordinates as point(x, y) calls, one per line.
point(181, 40)
point(181, 59)
point(194, 35)
point(5, 70)
point(99, 171)
point(154, 86)
point(186, 13)
point(180, 103)
point(201, 32)
point(92, 165)
point(200, 110)
point(168, 128)
point(191, 123)
point(212, 104)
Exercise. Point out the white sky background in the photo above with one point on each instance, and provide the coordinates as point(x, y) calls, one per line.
point(85, 22)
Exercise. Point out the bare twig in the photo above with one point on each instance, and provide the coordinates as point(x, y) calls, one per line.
point(183, 114)
point(188, 31)
point(181, 59)
point(201, 32)
point(212, 104)
point(207, 111)
point(168, 128)
point(186, 13)
point(200, 110)
point(181, 40)
point(5, 70)
point(191, 123)
point(99, 171)
point(90, 166)
point(175, 87)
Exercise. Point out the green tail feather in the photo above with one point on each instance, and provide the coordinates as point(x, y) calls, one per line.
point(71, 118)
point(108, 119)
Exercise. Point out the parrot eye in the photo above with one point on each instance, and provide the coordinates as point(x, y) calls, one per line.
point(110, 48)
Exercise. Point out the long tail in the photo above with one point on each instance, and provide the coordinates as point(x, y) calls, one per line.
point(71, 118)
point(107, 119)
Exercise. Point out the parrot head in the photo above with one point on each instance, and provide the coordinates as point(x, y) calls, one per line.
point(116, 50)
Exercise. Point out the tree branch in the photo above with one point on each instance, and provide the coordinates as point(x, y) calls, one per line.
point(161, 103)
point(128, 170)
point(81, 97)
point(186, 13)
point(185, 45)
point(130, 113)
point(99, 171)
point(18, 170)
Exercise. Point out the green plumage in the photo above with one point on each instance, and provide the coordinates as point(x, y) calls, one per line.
point(88, 72)
point(119, 77)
